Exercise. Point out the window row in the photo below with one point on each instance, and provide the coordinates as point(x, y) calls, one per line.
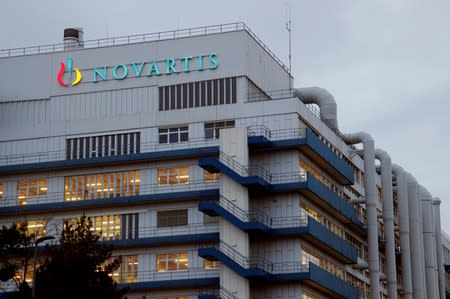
point(103, 146)
point(104, 185)
point(180, 134)
point(198, 94)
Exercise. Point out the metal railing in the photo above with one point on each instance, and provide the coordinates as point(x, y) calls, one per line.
point(245, 262)
point(189, 273)
point(259, 130)
point(144, 189)
point(145, 37)
point(222, 293)
point(145, 147)
point(244, 170)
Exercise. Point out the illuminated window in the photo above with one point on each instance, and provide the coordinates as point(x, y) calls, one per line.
point(102, 185)
point(172, 218)
point(211, 177)
point(108, 226)
point(128, 269)
point(173, 135)
point(28, 189)
point(209, 265)
point(310, 212)
point(305, 168)
point(1, 191)
point(172, 261)
point(35, 227)
point(176, 297)
point(308, 296)
point(28, 273)
point(309, 256)
point(173, 176)
point(212, 130)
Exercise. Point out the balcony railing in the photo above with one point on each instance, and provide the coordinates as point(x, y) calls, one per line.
point(190, 273)
point(245, 171)
point(144, 189)
point(146, 147)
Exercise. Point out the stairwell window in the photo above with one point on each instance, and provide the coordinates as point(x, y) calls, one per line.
point(1, 191)
point(166, 262)
point(173, 176)
point(173, 135)
point(30, 189)
point(127, 271)
point(212, 130)
point(210, 265)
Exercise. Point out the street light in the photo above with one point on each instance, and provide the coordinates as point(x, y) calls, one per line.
point(38, 240)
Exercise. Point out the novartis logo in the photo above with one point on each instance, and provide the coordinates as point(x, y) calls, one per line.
point(62, 71)
point(122, 71)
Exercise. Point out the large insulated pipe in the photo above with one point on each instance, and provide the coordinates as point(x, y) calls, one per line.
point(439, 253)
point(416, 239)
point(371, 206)
point(388, 220)
point(429, 243)
point(322, 98)
point(403, 223)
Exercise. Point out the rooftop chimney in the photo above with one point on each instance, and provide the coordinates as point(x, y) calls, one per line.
point(73, 38)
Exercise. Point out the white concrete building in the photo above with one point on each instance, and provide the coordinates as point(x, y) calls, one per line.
point(211, 177)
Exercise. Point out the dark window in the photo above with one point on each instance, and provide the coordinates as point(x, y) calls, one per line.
point(228, 90)
point(172, 218)
point(173, 135)
point(203, 90)
point(191, 95)
point(215, 93)
point(197, 94)
point(233, 90)
point(178, 95)
point(172, 97)
point(209, 93)
point(212, 129)
point(166, 98)
point(161, 99)
point(68, 147)
point(185, 96)
point(222, 91)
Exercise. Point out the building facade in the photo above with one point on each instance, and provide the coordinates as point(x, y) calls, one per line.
point(209, 175)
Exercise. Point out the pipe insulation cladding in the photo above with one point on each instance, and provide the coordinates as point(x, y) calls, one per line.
point(322, 98)
point(388, 220)
point(371, 206)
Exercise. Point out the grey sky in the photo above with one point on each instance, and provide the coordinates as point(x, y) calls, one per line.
point(386, 62)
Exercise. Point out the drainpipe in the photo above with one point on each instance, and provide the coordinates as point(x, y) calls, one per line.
point(371, 206)
point(416, 240)
point(403, 222)
point(322, 98)
point(388, 220)
point(439, 253)
point(429, 244)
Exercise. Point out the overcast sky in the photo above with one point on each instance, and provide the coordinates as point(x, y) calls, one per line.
point(386, 62)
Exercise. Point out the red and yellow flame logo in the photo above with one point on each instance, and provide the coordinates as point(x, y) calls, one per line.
point(62, 71)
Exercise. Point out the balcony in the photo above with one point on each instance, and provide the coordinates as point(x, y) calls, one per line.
point(147, 193)
point(302, 226)
point(192, 277)
point(309, 143)
point(252, 177)
point(259, 270)
point(151, 151)
point(316, 191)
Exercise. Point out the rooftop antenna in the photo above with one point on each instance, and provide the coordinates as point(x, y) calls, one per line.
point(288, 28)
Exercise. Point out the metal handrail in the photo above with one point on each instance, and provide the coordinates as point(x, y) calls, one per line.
point(145, 37)
point(244, 170)
point(144, 189)
point(259, 130)
point(145, 147)
point(189, 273)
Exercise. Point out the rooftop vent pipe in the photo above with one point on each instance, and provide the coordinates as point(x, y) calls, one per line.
point(73, 38)
point(403, 221)
point(388, 220)
point(322, 98)
point(371, 205)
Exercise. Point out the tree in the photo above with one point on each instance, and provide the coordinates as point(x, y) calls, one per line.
point(79, 267)
point(16, 246)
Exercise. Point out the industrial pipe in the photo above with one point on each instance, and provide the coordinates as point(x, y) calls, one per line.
point(416, 240)
point(439, 253)
point(322, 98)
point(429, 244)
point(371, 206)
point(388, 220)
point(403, 222)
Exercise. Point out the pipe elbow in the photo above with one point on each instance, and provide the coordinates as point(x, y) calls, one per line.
point(322, 98)
point(397, 169)
point(425, 194)
point(382, 155)
point(436, 201)
point(358, 138)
